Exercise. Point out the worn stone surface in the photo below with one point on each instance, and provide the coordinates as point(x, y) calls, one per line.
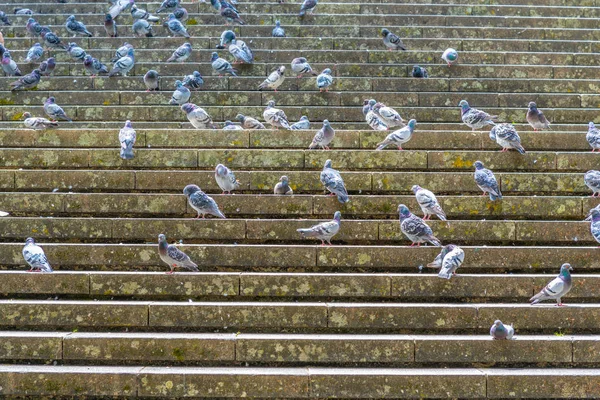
point(31, 346)
point(13, 282)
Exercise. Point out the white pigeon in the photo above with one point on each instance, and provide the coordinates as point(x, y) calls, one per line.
point(274, 80)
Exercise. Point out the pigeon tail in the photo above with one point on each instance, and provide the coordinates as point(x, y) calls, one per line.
point(126, 153)
point(433, 240)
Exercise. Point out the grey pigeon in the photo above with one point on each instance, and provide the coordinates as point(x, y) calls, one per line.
point(47, 67)
point(388, 115)
point(201, 202)
point(506, 136)
point(110, 26)
point(556, 288)
point(283, 186)
point(76, 52)
point(231, 15)
point(118, 7)
point(399, 137)
point(142, 28)
point(193, 81)
point(415, 229)
point(151, 80)
point(307, 6)
point(138, 13)
point(428, 203)
point(372, 118)
point(55, 111)
point(324, 80)
point(28, 81)
point(181, 95)
point(301, 66)
point(226, 179)
point(53, 41)
point(278, 31)
point(238, 48)
point(274, 80)
point(94, 66)
point(23, 11)
point(499, 331)
point(127, 138)
point(392, 41)
point(75, 27)
point(593, 137)
point(34, 53)
point(181, 54)
point(486, 181)
point(174, 257)
point(450, 56)
point(9, 66)
point(197, 116)
point(588, 217)
point(181, 14)
point(332, 180)
point(450, 258)
point(249, 122)
point(474, 118)
point(303, 124)
point(536, 118)
point(32, 26)
point(595, 225)
point(4, 18)
point(168, 5)
point(275, 117)
point(592, 180)
point(419, 72)
point(323, 231)
point(230, 126)
point(124, 64)
point(323, 137)
point(121, 52)
point(221, 66)
point(38, 123)
point(35, 257)
point(176, 27)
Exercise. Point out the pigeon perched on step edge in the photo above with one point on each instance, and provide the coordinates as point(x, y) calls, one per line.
point(278, 31)
point(486, 181)
point(34, 53)
point(399, 137)
point(151, 80)
point(181, 54)
point(275, 117)
point(249, 122)
point(308, 6)
point(415, 229)
point(110, 26)
point(392, 41)
point(419, 72)
point(473, 117)
point(193, 81)
point(324, 80)
point(499, 331)
point(47, 67)
point(53, 41)
point(302, 124)
point(168, 5)
point(450, 258)
point(450, 56)
point(230, 126)
point(595, 224)
point(55, 111)
point(38, 123)
point(138, 13)
point(35, 257)
point(121, 52)
point(226, 179)
point(536, 118)
point(283, 186)
point(142, 28)
point(221, 66)
point(124, 64)
point(506, 136)
point(238, 48)
point(323, 231)
point(592, 180)
point(181, 14)
point(201, 202)
point(32, 26)
point(557, 288)
point(176, 27)
point(94, 66)
point(323, 137)
point(76, 52)
point(181, 95)
point(28, 81)
point(372, 118)
point(23, 11)
point(197, 116)
point(9, 66)
point(274, 80)
point(301, 66)
point(231, 15)
point(388, 115)
point(428, 203)
point(174, 257)
point(75, 27)
point(593, 137)
point(127, 138)
point(333, 182)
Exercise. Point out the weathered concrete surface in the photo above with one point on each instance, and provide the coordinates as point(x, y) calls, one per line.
point(14, 282)
point(31, 345)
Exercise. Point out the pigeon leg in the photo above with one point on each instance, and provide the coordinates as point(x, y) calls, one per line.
point(484, 193)
point(169, 272)
point(412, 245)
point(327, 148)
point(322, 242)
point(400, 148)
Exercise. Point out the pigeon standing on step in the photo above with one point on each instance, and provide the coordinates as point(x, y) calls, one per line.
point(274, 80)
point(450, 56)
point(499, 331)
point(249, 122)
point(557, 288)
point(324, 80)
point(486, 181)
point(301, 66)
point(536, 118)
point(388, 115)
point(168, 5)
point(197, 116)
point(138, 13)
point(592, 180)
point(333, 182)
point(35, 257)
point(55, 111)
point(181, 54)
point(450, 258)
point(151, 80)
point(323, 137)
point(121, 52)
point(474, 118)
point(38, 123)
point(275, 117)
point(323, 231)
point(428, 203)
point(23, 11)
point(174, 257)
point(176, 27)
point(278, 31)
point(506, 136)
point(76, 52)
point(419, 72)
point(9, 66)
point(303, 124)
point(392, 41)
point(230, 126)
point(127, 138)
point(595, 224)
point(53, 41)
point(181, 14)
point(34, 53)
point(399, 137)
point(238, 48)
point(28, 81)
point(124, 64)
point(4, 18)
point(142, 28)
point(75, 27)
point(201, 202)
point(283, 186)
point(221, 66)
point(181, 95)
point(593, 137)
point(110, 26)
point(415, 229)
point(193, 81)
point(231, 15)
point(47, 67)
point(94, 66)
point(372, 118)
point(226, 179)
point(308, 6)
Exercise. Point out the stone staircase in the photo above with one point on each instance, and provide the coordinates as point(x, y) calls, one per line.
point(271, 315)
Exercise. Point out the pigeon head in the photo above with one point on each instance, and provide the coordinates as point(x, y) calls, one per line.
point(271, 104)
point(372, 102)
point(240, 117)
point(326, 123)
point(37, 45)
point(464, 105)
point(366, 102)
point(281, 70)
point(337, 216)
point(415, 188)
point(152, 74)
point(327, 164)
point(416, 68)
point(565, 268)
point(35, 71)
point(188, 107)
point(188, 45)
point(30, 21)
point(190, 190)
point(171, 16)
point(595, 215)
point(278, 24)
point(228, 123)
point(214, 56)
point(385, 32)
point(284, 179)
point(71, 18)
point(128, 124)
point(403, 211)
point(498, 323)
point(412, 123)
point(532, 105)
point(197, 74)
point(29, 240)
point(451, 55)
point(178, 84)
point(221, 170)
point(50, 100)
point(304, 118)
point(87, 60)
point(162, 238)
point(51, 62)
point(478, 165)
point(227, 37)
point(130, 52)
point(108, 18)
point(26, 115)
point(591, 125)
point(326, 71)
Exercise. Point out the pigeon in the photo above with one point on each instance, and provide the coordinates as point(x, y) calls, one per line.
point(249, 122)
point(142, 28)
point(53, 41)
point(226, 179)
point(174, 257)
point(499, 331)
point(307, 6)
point(595, 225)
point(388, 115)
point(34, 256)
point(450, 56)
point(35, 53)
point(47, 67)
point(181, 54)
point(4, 18)
point(76, 52)
point(278, 31)
point(94, 66)
point(151, 80)
point(110, 26)
point(228, 4)
point(118, 7)
point(193, 81)
point(181, 95)
point(536, 118)
point(75, 27)
point(28, 81)
point(506, 136)
point(301, 66)
point(181, 14)
point(323, 137)
point(474, 118)
point(1, 43)
point(556, 288)
point(32, 27)
point(231, 15)
point(399, 137)
point(127, 138)
point(486, 181)
point(592, 180)
point(429, 203)
point(415, 229)
point(283, 186)
point(121, 52)
point(237, 48)
point(303, 124)
point(197, 116)
point(23, 11)
point(323, 231)
point(419, 72)
point(593, 137)
point(588, 217)
point(55, 111)
point(216, 4)
point(324, 80)
point(124, 64)
point(176, 27)
point(221, 66)
point(332, 180)
point(372, 118)
point(138, 13)
point(275, 117)
point(201, 202)
point(274, 80)
point(168, 5)
point(230, 126)
point(9, 66)
point(392, 41)
point(450, 258)
point(37, 123)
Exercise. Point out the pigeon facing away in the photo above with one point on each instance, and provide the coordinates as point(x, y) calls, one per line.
point(415, 229)
point(230, 126)
point(474, 118)
point(181, 95)
point(75, 27)
point(283, 186)
point(323, 231)
point(197, 116)
point(181, 14)
point(332, 180)
point(110, 26)
point(307, 6)
point(323, 137)
point(151, 80)
point(121, 52)
point(301, 66)
point(275, 116)
point(124, 64)
point(127, 138)
point(399, 137)
point(592, 180)
point(231, 15)
point(499, 331)
point(450, 56)
point(142, 28)
point(304, 123)
point(324, 80)
point(274, 80)
point(47, 67)
point(34, 256)
point(593, 137)
point(38, 123)
point(193, 81)
point(35, 53)
point(9, 66)
point(53, 41)
point(372, 118)
point(278, 31)
point(450, 258)
point(557, 288)
point(176, 27)
point(174, 257)
point(201, 202)
point(28, 81)
point(76, 52)
point(536, 118)
point(181, 54)
point(595, 225)
point(429, 203)
point(388, 115)
point(94, 66)
point(506, 136)
point(226, 179)
point(486, 181)
point(55, 111)
point(221, 66)
point(249, 122)
point(138, 13)
point(419, 72)
point(392, 41)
